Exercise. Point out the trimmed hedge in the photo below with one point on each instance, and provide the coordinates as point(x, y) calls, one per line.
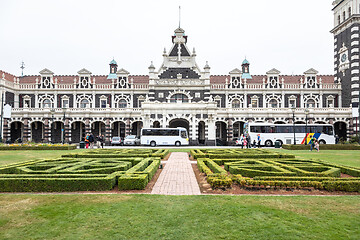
point(323, 147)
point(202, 166)
point(56, 184)
point(347, 186)
point(152, 169)
point(273, 170)
point(132, 181)
point(219, 180)
point(214, 167)
point(93, 173)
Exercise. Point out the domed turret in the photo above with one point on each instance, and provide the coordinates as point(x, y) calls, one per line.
point(113, 70)
point(245, 69)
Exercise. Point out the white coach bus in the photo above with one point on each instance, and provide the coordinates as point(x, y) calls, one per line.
point(164, 136)
point(284, 133)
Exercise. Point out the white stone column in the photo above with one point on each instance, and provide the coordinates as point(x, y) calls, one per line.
point(16, 99)
point(194, 129)
point(36, 100)
point(211, 130)
point(245, 101)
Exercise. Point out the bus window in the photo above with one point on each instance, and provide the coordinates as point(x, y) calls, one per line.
point(270, 129)
point(183, 134)
point(300, 129)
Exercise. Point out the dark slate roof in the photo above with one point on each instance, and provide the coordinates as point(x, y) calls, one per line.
point(186, 73)
point(184, 51)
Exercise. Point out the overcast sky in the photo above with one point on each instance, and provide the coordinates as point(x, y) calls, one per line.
point(68, 35)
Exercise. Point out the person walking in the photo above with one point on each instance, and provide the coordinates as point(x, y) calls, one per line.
point(91, 140)
point(258, 140)
point(98, 141)
point(312, 143)
point(336, 139)
point(317, 145)
point(102, 139)
point(242, 140)
point(87, 142)
point(248, 141)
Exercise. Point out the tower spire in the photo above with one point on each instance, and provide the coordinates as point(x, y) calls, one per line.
point(22, 68)
point(179, 15)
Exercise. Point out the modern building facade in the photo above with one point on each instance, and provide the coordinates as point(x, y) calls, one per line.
point(56, 108)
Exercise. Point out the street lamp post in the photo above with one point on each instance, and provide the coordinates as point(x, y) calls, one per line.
point(293, 112)
point(306, 121)
point(52, 111)
point(63, 129)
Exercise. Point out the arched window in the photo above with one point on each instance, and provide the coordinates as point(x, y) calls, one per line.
point(122, 103)
point(273, 103)
point(310, 103)
point(179, 97)
point(47, 103)
point(84, 103)
point(349, 12)
point(236, 103)
point(344, 16)
point(339, 19)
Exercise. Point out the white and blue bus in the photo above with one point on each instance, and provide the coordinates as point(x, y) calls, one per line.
point(284, 133)
point(164, 136)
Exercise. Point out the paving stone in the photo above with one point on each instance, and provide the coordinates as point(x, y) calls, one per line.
point(177, 177)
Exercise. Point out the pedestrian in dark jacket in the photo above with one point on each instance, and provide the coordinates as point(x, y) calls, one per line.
point(91, 140)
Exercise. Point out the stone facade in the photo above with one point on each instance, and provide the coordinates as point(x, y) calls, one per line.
point(62, 108)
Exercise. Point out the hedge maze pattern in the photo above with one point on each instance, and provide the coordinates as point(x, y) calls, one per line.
point(264, 169)
point(97, 170)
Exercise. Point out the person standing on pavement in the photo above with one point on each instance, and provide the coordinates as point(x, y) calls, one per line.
point(242, 140)
point(91, 140)
point(312, 143)
point(248, 141)
point(258, 140)
point(102, 139)
point(87, 142)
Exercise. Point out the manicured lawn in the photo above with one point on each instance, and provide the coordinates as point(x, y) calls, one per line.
point(178, 217)
point(345, 157)
point(8, 157)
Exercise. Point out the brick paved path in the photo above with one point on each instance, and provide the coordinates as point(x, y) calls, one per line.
point(177, 177)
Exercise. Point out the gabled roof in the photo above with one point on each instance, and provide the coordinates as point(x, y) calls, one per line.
point(311, 71)
point(183, 50)
point(273, 71)
point(46, 71)
point(122, 71)
point(235, 71)
point(84, 71)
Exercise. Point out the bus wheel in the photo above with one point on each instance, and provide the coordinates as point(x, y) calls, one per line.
point(322, 142)
point(268, 143)
point(177, 143)
point(153, 143)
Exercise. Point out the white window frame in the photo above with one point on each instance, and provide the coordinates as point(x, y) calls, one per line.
point(252, 99)
point(292, 99)
point(27, 99)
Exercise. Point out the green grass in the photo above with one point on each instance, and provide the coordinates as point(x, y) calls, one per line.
point(344, 157)
point(178, 217)
point(8, 157)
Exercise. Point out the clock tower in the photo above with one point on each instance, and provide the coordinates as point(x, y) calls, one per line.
point(346, 49)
